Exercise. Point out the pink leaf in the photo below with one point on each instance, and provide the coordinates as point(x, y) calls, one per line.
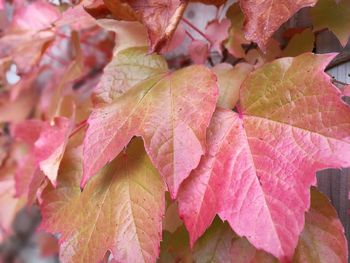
point(346, 90)
point(198, 51)
point(36, 16)
point(261, 162)
point(46, 147)
point(217, 32)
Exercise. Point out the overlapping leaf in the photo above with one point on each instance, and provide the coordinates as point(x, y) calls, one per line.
point(262, 161)
point(120, 210)
point(129, 67)
point(159, 17)
point(236, 35)
point(128, 33)
point(46, 145)
point(300, 43)
point(322, 239)
point(163, 110)
point(263, 18)
point(334, 16)
point(230, 80)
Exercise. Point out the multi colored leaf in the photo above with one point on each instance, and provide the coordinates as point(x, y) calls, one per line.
point(261, 161)
point(322, 239)
point(163, 110)
point(236, 36)
point(128, 68)
point(230, 80)
point(120, 210)
point(159, 17)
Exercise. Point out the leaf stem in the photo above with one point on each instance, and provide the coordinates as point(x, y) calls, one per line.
point(55, 58)
point(196, 29)
point(339, 82)
point(189, 35)
point(78, 127)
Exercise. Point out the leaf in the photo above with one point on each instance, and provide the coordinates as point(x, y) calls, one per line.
point(9, 205)
point(175, 247)
point(161, 19)
point(127, 68)
point(300, 43)
point(46, 144)
point(236, 36)
point(120, 210)
point(217, 32)
point(198, 51)
point(322, 239)
point(36, 16)
point(220, 244)
point(128, 33)
point(26, 48)
point(164, 111)
point(346, 90)
point(211, 2)
point(258, 58)
point(230, 80)
point(47, 244)
point(176, 40)
point(263, 18)
point(77, 18)
point(121, 10)
point(171, 220)
point(334, 16)
point(18, 109)
point(261, 162)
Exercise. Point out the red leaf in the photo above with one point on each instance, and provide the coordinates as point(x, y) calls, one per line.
point(160, 17)
point(261, 162)
point(263, 18)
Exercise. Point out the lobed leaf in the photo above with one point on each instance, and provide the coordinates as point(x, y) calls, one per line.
point(120, 210)
point(163, 110)
point(127, 68)
point(261, 162)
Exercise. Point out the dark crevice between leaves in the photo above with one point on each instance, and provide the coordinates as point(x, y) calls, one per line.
point(16, 248)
